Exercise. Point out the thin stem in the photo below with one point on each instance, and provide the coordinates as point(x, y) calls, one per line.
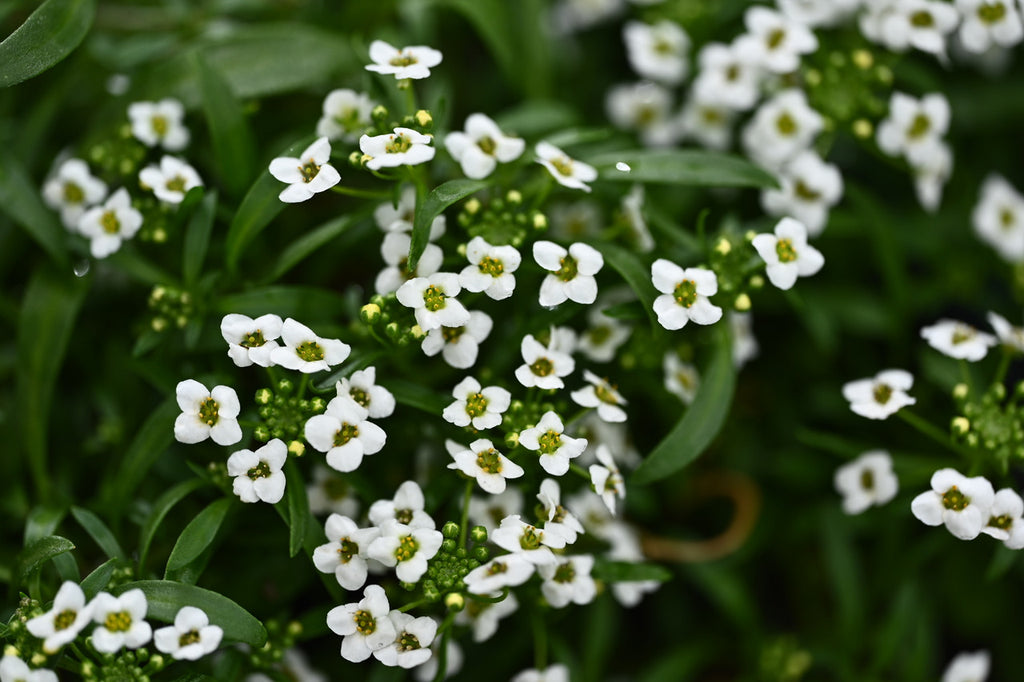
point(577, 469)
point(965, 374)
point(303, 385)
point(540, 639)
point(410, 95)
point(1004, 365)
point(413, 604)
point(465, 511)
point(362, 193)
point(928, 429)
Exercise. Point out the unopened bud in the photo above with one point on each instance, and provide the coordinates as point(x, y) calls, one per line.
point(723, 246)
point(455, 602)
point(369, 313)
point(450, 530)
point(264, 396)
point(424, 118)
point(960, 425)
point(478, 534)
point(960, 391)
point(297, 448)
point(742, 303)
point(863, 129)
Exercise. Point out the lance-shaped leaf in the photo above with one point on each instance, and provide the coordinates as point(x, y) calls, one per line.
point(681, 167)
point(440, 198)
point(47, 36)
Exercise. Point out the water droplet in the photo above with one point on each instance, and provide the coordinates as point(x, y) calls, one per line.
point(81, 268)
point(623, 166)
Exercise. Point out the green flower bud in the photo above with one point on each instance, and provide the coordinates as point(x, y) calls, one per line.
point(448, 546)
point(478, 534)
point(263, 396)
point(455, 602)
point(450, 530)
point(369, 313)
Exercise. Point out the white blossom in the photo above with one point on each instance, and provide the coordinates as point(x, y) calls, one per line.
point(306, 175)
point(170, 180)
point(708, 123)
point(1008, 335)
point(305, 351)
point(345, 552)
point(681, 378)
point(482, 146)
point(65, 619)
point(744, 344)
point(258, 475)
point(786, 254)
point(490, 510)
point(881, 396)
point(500, 572)
point(967, 667)
point(600, 394)
point(121, 621)
point(413, 638)
point(330, 493)
point(433, 301)
point(557, 519)
point(346, 114)
point(13, 669)
point(526, 540)
point(406, 549)
point(483, 617)
point(554, 448)
point(362, 388)
point(958, 340)
point(647, 109)
point(781, 128)
point(989, 22)
point(684, 295)
point(568, 580)
point(1005, 520)
point(603, 336)
point(962, 504)
point(407, 507)
point(414, 61)
point(555, 672)
point(570, 272)
point(998, 218)
point(459, 345)
point(725, 79)
point(808, 188)
point(476, 405)
point(484, 463)
point(251, 341)
point(191, 637)
point(207, 414)
point(490, 269)
point(394, 249)
point(72, 190)
point(913, 126)
point(364, 625)
point(920, 24)
point(657, 51)
point(566, 171)
point(345, 434)
point(159, 124)
point(400, 216)
point(107, 226)
point(773, 40)
point(403, 147)
point(542, 366)
point(607, 479)
point(866, 481)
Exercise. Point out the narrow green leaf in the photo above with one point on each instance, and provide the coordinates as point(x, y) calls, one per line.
point(42, 521)
point(600, 633)
point(150, 442)
point(229, 130)
point(132, 264)
point(579, 135)
point(165, 598)
point(440, 198)
point(298, 507)
point(418, 396)
point(313, 241)
point(67, 567)
point(96, 581)
point(32, 558)
point(537, 117)
point(699, 424)
point(634, 271)
point(843, 569)
point(20, 200)
point(47, 36)
point(491, 18)
point(630, 310)
point(99, 532)
point(198, 534)
point(292, 301)
point(681, 167)
point(626, 571)
point(197, 237)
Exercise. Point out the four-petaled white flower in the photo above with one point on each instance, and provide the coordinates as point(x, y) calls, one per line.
point(258, 475)
point(484, 463)
point(344, 433)
point(345, 553)
point(543, 366)
point(399, 217)
point(603, 336)
point(307, 174)
point(72, 190)
point(998, 218)
point(881, 396)
point(362, 388)
point(958, 340)
point(681, 378)
point(726, 79)
point(346, 114)
point(557, 519)
point(989, 22)
point(568, 580)
point(657, 51)
point(962, 504)
point(684, 295)
point(364, 625)
point(207, 414)
point(773, 40)
point(967, 667)
point(781, 128)
point(490, 510)
point(171, 180)
point(709, 123)
point(404, 147)
point(122, 621)
point(786, 254)
point(566, 171)
point(251, 341)
point(406, 549)
point(913, 126)
point(606, 478)
point(394, 248)
point(433, 301)
point(921, 24)
point(412, 641)
point(602, 395)
point(570, 272)
point(459, 345)
point(532, 543)
point(867, 480)
point(1004, 519)
point(191, 637)
point(490, 269)
point(481, 407)
point(305, 351)
point(331, 494)
point(13, 669)
point(1008, 335)
point(808, 188)
point(413, 61)
point(406, 507)
point(646, 108)
point(482, 146)
point(159, 123)
point(108, 225)
point(65, 619)
point(555, 448)
point(500, 572)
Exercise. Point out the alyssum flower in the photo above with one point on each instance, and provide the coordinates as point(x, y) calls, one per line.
point(881, 396)
point(433, 300)
point(479, 149)
point(602, 395)
point(159, 124)
point(65, 619)
point(345, 553)
point(484, 463)
point(867, 480)
point(786, 254)
point(958, 340)
point(207, 414)
point(107, 226)
point(459, 345)
point(413, 61)
point(961, 503)
point(567, 171)
point(490, 269)
point(476, 405)
point(570, 272)
point(685, 295)
point(344, 433)
point(170, 180)
point(258, 475)
point(364, 625)
point(72, 190)
point(307, 174)
point(13, 669)
point(412, 641)
point(191, 637)
point(404, 147)
point(251, 341)
point(406, 549)
point(305, 351)
point(543, 366)
point(122, 621)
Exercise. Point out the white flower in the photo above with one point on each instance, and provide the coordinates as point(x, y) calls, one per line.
point(818, 12)
point(250, 342)
point(406, 508)
point(305, 351)
point(346, 113)
point(362, 388)
point(958, 340)
point(646, 108)
point(602, 395)
point(72, 190)
point(500, 572)
point(330, 493)
point(576, 220)
point(404, 147)
point(306, 175)
point(913, 125)
point(1008, 335)
point(921, 24)
point(122, 621)
point(781, 128)
point(773, 40)
point(1004, 519)
point(629, 593)
point(543, 367)
point(65, 619)
point(657, 51)
point(557, 519)
point(603, 337)
point(406, 549)
point(568, 581)
point(412, 641)
point(967, 668)
point(681, 378)
point(962, 504)
point(345, 553)
point(710, 124)
point(191, 637)
point(490, 269)
point(881, 396)
point(344, 433)
point(400, 217)
point(725, 78)
point(566, 171)
point(482, 146)
point(532, 543)
point(159, 123)
point(413, 61)
point(364, 625)
point(998, 218)
point(108, 225)
point(989, 22)
point(744, 344)
point(571, 272)
point(786, 254)
point(395, 250)
point(632, 215)
point(171, 180)
point(684, 295)
point(207, 414)
point(433, 301)
point(606, 478)
point(428, 671)
point(809, 187)
point(931, 169)
point(481, 407)
point(490, 510)
point(553, 673)
point(614, 435)
point(483, 617)
point(483, 462)
point(555, 448)
point(867, 480)
point(13, 669)
point(459, 345)
point(258, 475)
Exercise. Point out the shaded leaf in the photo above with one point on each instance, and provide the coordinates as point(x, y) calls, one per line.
point(198, 535)
point(298, 507)
point(20, 200)
point(161, 507)
point(232, 138)
point(312, 241)
point(682, 167)
point(305, 303)
point(627, 571)
point(440, 198)
point(636, 273)
point(150, 442)
point(32, 558)
point(197, 237)
point(49, 35)
point(99, 532)
point(418, 396)
point(42, 521)
point(96, 581)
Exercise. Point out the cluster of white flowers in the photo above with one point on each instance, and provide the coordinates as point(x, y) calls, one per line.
point(914, 130)
point(969, 507)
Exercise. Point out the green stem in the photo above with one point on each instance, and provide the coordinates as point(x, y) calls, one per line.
point(442, 657)
point(465, 511)
point(1004, 365)
point(538, 200)
point(577, 469)
point(361, 193)
point(413, 604)
point(928, 429)
point(965, 374)
point(540, 639)
point(410, 95)
point(303, 385)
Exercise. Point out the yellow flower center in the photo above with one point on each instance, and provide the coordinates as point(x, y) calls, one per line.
point(802, 191)
point(190, 637)
point(397, 144)
point(775, 38)
point(489, 461)
point(159, 124)
point(309, 170)
point(347, 550)
point(253, 339)
point(882, 393)
point(73, 194)
point(922, 19)
point(867, 479)
point(407, 547)
point(491, 266)
point(261, 470)
point(110, 223)
point(65, 619)
point(365, 623)
point(569, 269)
point(121, 621)
point(209, 411)
point(310, 351)
point(403, 59)
point(346, 433)
point(542, 367)
point(919, 127)
point(563, 165)
point(784, 249)
point(476, 405)
point(487, 145)
point(991, 13)
point(565, 573)
point(433, 298)
point(685, 293)
point(786, 124)
point(955, 500)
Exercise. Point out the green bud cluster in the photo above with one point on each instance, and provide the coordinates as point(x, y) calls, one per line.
point(171, 308)
point(284, 415)
point(136, 666)
point(502, 220)
point(850, 87)
point(389, 320)
point(280, 638)
point(991, 423)
point(445, 572)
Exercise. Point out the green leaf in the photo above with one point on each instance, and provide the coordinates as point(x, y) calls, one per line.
point(32, 558)
point(20, 200)
point(634, 271)
point(197, 237)
point(96, 581)
point(161, 507)
point(440, 198)
point(630, 310)
point(699, 424)
point(305, 303)
point(298, 507)
point(150, 442)
point(165, 598)
point(418, 396)
point(314, 240)
point(682, 167)
point(198, 535)
point(232, 138)
point(626, 571)
point(537, 117)
point(42, 521)
point(99, 532)
point(47, 36)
